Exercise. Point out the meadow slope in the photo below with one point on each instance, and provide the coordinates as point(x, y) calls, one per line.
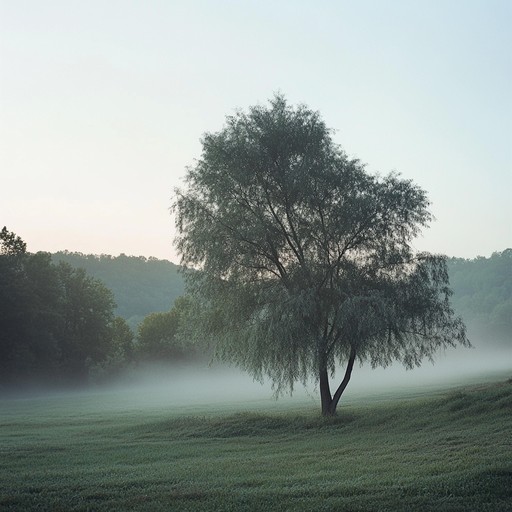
point(449, 451)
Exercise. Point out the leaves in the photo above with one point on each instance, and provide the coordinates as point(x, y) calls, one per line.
point(55, 320)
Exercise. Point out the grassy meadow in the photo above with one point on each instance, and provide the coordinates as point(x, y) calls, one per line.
point(444, 450)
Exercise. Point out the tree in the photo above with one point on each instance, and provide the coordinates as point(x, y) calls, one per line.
point(87, 310)
point(11, 244)
point(122, 339)
point(158, 335)
point(13, 300)
point(303, 260)
point(29, 294)
point(120, 356)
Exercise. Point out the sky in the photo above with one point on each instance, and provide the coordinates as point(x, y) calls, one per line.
point(103, 105)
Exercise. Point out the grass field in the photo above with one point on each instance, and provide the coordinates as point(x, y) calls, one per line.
point(441, 451)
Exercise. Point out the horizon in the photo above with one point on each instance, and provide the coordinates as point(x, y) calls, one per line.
point(498, 251)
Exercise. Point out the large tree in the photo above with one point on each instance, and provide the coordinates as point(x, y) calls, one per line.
point(302, 260)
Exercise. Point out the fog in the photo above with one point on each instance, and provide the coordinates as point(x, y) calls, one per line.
point(218, 384)
point(214, 387)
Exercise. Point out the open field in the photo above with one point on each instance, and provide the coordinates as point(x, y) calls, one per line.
point(440, 450)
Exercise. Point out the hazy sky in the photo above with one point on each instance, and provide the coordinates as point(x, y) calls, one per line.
point(103, 103)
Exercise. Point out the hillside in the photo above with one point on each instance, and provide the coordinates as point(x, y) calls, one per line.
point(140, 285)
point(482, 295)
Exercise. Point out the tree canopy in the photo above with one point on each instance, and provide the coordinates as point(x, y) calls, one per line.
point(56, 322)
point(158, 336)
point(302, 260)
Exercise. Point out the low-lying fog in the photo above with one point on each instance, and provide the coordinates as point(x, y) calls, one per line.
point(214, 385)
point(225, 384)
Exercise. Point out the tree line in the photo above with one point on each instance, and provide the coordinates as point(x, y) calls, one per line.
point(58, 324)
point(482, 288)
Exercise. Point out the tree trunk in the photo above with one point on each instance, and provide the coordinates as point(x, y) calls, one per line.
point(325, 391)
point(330, 403)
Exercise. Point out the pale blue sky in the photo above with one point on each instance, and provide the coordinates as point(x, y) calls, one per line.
point(102, 104)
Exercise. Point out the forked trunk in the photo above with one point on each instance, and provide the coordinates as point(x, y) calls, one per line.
point(330, 403)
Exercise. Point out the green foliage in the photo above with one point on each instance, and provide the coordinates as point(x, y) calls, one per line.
point(29, 318)
point(11, 244)
point(56, 321)
point(156, 336)
point(159, 339)
point(122, 338)
point(81, 453)
point(120, 357)
point(140, 285)
point(87, 314)
point(483, 294)
point(302, 260)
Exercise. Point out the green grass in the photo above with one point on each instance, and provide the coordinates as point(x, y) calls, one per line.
point(448, 451)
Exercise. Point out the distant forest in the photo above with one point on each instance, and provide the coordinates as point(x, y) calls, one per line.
point(482, 295)
point(482, 288)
